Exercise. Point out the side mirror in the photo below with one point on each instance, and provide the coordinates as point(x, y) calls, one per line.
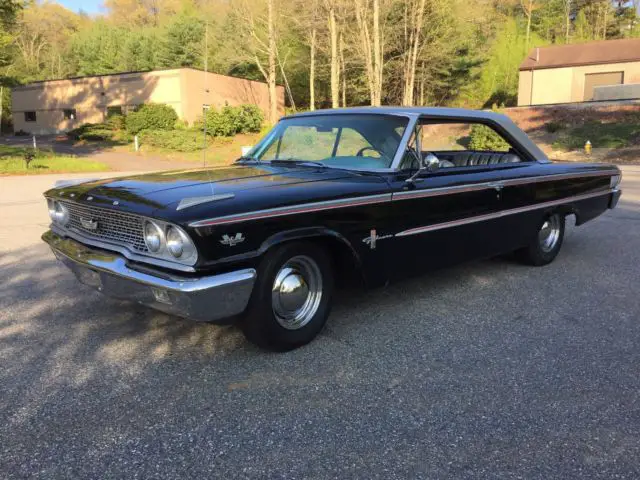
point(430, 162)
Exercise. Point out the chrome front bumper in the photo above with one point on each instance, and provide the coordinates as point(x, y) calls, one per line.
point(203, 299)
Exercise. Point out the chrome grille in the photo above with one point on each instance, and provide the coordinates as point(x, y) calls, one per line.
point(114, 227)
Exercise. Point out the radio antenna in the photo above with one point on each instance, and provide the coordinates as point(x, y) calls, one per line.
point(205, 104)
point(205, 93)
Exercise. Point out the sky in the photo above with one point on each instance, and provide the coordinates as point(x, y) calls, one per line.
point(88, 6)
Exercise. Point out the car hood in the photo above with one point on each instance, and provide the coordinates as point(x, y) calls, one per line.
point(148, 193)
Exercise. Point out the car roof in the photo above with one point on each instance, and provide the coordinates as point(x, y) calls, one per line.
point(442, 112)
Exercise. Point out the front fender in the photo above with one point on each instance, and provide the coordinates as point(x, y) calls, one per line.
point(307, 233)
point(338, 245)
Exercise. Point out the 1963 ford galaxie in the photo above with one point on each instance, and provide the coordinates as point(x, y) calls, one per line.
point(363, 193)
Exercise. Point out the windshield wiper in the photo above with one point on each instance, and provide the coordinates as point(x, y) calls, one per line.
point(298, 162)
point(246, 160)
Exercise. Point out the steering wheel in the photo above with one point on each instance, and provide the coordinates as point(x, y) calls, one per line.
point(364, 149)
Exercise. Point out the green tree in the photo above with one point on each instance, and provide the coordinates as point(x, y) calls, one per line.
point(97, 50)
point(9, 10)
point(182, 44)
point(139, 51)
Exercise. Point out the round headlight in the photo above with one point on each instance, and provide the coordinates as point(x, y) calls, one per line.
point(179, 244)
point(175, 244)
point(51, 204)
point(58, 213)
point(62, 214)
point(152, 236)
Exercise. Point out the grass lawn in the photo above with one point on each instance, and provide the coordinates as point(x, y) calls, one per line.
point(601, 135)
point(12, 162)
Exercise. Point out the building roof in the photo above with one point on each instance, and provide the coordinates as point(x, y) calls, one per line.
point(120, 74)
point(592, 53)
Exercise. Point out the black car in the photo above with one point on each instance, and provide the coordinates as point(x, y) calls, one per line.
point(368, 194)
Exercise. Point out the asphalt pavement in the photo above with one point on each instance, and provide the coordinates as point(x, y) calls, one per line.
point(486, 370)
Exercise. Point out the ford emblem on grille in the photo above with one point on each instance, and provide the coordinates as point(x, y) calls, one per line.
point(89, 224)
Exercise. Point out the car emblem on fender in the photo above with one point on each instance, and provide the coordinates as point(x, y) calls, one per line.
point(89, 224)
point(374, 237)
point(233, 240)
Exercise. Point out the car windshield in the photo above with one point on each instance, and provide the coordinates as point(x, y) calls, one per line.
point(361, 141)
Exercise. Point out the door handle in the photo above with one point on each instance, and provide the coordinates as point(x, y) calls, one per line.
point(497, 186)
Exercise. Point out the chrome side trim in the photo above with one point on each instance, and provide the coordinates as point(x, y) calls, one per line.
point(504, 213)
point(293, 210)
point(435, 192)
point(561, 176)
point(124, 251)
point(473, 187)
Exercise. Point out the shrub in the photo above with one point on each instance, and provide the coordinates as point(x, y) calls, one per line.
point(232, 120)
point(250, 119)
point(92, 131)
point(222, 123)
point(99, 132)
point(177, 140)
point(485, 138)
point(151, 116)
point(553, 126)
point(181, 125)
point(116, 122)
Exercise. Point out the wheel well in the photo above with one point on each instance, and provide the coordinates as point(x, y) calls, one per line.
point(567, 211)
point(344, 260)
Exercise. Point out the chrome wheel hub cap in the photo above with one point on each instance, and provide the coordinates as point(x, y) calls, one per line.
point(549, 233)
point(296, 292)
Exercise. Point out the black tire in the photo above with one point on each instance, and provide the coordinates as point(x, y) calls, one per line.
point(261, 325)
point(537, 253)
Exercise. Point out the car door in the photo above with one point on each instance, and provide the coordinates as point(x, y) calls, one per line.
point(442, 218)
point(451, 214)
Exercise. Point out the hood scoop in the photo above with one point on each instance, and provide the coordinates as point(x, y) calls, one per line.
point(193, 201)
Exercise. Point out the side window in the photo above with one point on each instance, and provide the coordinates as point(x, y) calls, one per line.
point(465, 144)
point(29, 116)
point(472, 137)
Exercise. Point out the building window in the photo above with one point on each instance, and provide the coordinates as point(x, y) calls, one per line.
point(69, 113)
point(29, 116)
point(115, 110)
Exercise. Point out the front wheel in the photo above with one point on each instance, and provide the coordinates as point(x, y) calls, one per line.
point(544, 248)
point(292, 297)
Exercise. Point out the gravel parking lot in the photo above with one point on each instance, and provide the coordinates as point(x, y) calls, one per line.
point(486, 370)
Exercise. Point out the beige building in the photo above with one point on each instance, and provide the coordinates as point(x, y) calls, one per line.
point(56, 106)
point(578, 73)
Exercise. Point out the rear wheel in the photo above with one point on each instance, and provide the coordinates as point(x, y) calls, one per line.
point(544, 248)
point(292, 297)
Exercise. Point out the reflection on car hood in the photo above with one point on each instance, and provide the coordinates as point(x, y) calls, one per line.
point(159, 190)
